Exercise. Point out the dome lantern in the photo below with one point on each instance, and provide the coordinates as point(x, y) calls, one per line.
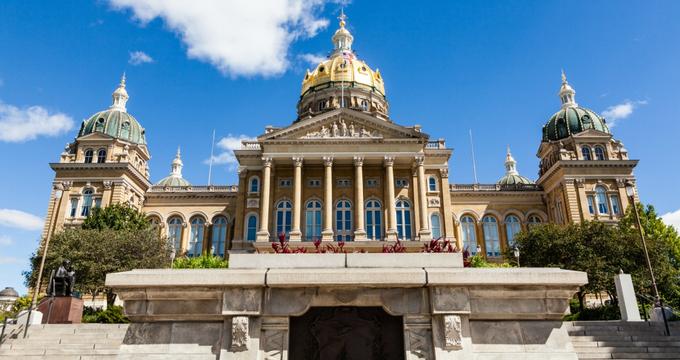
point(567, 93)
point(512, 176)
point(120, 96)
point(175, 178)
point(342, 39)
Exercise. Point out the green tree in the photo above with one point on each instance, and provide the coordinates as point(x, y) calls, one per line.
point(116, 217)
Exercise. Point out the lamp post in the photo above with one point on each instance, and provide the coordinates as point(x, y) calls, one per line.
point(515, 251)
point(58, 192)
point(630, 191)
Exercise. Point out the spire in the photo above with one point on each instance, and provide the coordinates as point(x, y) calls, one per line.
point(177, 165)
point(120, 96)
point(510, 164)
point(567, 93)
point(342, 39)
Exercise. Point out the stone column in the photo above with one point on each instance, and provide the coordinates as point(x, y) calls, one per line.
point(447, 219)
point(327, 233)
point(296, 234)
point(359, 232)
point(424, 231)
point(391, 233)
point(263, 234)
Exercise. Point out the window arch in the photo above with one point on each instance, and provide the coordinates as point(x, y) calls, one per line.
point(534, 220)
point(283, 217)
point(254, 185)
point(601, 197)
point(343, 221)
point(196, 238)
point(251, 227)
point(373, 220)
point(175, 233)
point(89, 153)
point(599, 153)
point(219, 235)
point(313, 220)
point(403, 208)
point(432, 184)
point(469, 233)
point(87, 202)
point(586, 153)
point(436, 226)
point(101, 156)
point(491, 241)
point(512, 227)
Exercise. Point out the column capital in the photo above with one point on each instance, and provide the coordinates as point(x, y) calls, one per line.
point(420, 160)
point(266, 161)
point(297, 160)
point(444, 172)
point(389, 160)
point(328, 160)
point(359, 161)
point(241, 171)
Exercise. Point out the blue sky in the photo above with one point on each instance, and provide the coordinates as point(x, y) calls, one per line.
point(236, 66)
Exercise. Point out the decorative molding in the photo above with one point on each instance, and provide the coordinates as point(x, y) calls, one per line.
point(253, 203)
point(239, 333)
point(358, 161)
point(433, 201)
point(341, 130)
point(453, 332)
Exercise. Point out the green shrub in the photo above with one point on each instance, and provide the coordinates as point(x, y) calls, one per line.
point(200, 262)
point(112, 315)
point(604, 312)
point(477, 261)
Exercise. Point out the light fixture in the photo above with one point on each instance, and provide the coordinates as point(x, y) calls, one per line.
point(630, 189)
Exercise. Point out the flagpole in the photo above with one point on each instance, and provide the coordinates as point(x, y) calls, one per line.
point(474, 162)
point(212, 148)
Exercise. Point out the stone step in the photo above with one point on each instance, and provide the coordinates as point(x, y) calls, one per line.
point(627, 349)
point(625, 343)
point(657, 338)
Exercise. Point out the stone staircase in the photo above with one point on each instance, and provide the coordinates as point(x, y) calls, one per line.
point(624, 340)
point(77, 342)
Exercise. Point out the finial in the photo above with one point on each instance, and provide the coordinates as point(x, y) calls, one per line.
point(564, 77)
point(178, 152)
point(122, 80)
point(342, 17)
point(509, 149)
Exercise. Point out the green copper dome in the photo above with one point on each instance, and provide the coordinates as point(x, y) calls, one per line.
point(514, 180)
point(173, 181)
point(115, 123)
point(572, 120)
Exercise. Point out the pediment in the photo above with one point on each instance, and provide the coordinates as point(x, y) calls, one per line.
point(95, 136)
point(591, 133)
point(343, 124)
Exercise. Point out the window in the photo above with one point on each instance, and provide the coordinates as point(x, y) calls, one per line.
point(87, 202)
point(616, 207)
point(586, 153)
point(469, 234)
point(251, 227)
point(562, 128)
point(401, 183)
point(432, 184)
point(101, 156)
point(343, 183)
point(254, 186)
point(343, 221)
point(533, 221)
point(283, 218)
point(372, 183)
point(364, 105)
point(315, 183)
point(599, 153)
point(587, 122)
point(490, 226)
point(97, 203)
point(601, 197)
point(322, 104)
point(219, 235)
point(196, 238)
point(175, 233)
point(99, 126)
point(436, 226)
point(373, 220)
point(591, 204)
point(74, 207)
point(313, 220)
point(88, 156)
point(285, 183)
point(403, 220)
point(512, 227)
point(558, 211)
point(125, 130)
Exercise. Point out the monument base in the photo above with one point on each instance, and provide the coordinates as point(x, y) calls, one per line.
point(65, 310)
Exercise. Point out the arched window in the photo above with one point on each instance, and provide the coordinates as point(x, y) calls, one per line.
point(599, 153)
point(175, 233)
point(436, 226)
point(99, 126)
point(254, 186)
point(101, 156)
point(586, 153)
point(601, 197)
point(196, 238)
point(373, 220)
point(343, 221)
point(534, 220)
point(283, 218)
point(125, 130)
point(587, 122)
point(432, 184)
point(512, 227)
point(469, 233)
point(403, 220)
point(87, 202)
point(364, 105)
point(219, 235)
point(251, 227)
point(313, 220)
point(490, 226)
point(89, 153)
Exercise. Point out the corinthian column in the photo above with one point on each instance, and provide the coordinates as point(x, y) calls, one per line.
point(263, 234)
point(327, 233)
point(391, 233)
point(424, 231)
point(296, 234)
point(359, 232)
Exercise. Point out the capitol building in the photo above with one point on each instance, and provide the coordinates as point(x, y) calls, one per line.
point(344, 170)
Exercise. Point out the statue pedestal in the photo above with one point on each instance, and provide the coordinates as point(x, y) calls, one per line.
point(65, 310)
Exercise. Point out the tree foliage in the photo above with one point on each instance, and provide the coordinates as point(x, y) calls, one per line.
point(200, 262)
point(116, 217)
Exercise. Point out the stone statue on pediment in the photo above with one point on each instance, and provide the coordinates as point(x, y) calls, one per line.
point(324, 131)
point(343, 128)
point(336, 131)
point(365, 133)
point(351, 130)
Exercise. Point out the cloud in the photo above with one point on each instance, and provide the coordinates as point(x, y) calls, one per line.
point(5, 260)
point(238, 37)
point(621, 111)
point(19, 219)
point(228, 144)
point(672, 218)
point(139, 58)
point(312, 59)
point(17, 124)
point(5, 240)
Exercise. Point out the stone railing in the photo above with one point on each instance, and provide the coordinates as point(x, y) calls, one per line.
point(250, 145)
point(495, 187)
point(436, 144)
point(202, 188)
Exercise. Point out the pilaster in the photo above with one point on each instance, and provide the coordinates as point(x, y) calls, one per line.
point(263, 234)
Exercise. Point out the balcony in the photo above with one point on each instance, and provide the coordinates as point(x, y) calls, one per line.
point(436, 144)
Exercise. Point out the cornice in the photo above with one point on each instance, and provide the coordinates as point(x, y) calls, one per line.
point(587, 164)
point(102, 166)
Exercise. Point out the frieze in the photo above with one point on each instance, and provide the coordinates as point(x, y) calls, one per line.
point(341, 129)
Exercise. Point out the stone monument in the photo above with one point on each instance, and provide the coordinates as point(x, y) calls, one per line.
point(61, 306)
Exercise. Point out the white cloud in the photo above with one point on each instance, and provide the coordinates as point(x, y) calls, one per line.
point(5, 260)
point(139, 58)
point(621, 111)
point(238, 37)
point(5, 240)
point(17, 124)
point(312, 59)
point(672, 218)
point(19, 219)
point(228, 144)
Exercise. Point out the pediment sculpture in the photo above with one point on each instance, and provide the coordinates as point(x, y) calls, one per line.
point(342, 129)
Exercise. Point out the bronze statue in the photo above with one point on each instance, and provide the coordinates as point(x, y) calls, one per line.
point(62, 281)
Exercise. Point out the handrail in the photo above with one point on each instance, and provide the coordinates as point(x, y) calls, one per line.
point(661, 305)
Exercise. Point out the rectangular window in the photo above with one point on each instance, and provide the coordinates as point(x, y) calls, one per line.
point(591, 204)
point(372, 183)
point(315, 183)
point(343, 183)
point(285, 183)
point(401, 183)
point(616, 207)
point(74, 207)
point(98, 203)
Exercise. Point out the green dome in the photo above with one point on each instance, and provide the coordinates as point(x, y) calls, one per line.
point(572, 120)
point(514, 180)
point(173, 181)
point(115, 123)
